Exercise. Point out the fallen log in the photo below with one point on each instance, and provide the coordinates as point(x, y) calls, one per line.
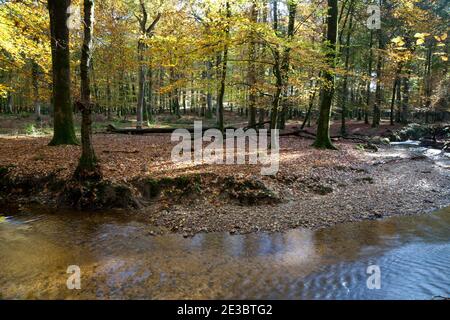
point(120, 151)
point(110, 128)
point(436, 144)
point(257, 125)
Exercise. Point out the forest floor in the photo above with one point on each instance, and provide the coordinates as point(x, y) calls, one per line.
point(313, 188)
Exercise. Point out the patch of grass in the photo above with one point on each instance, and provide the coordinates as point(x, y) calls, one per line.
point(32, 130)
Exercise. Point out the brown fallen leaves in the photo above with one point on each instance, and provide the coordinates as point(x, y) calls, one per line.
point(125, 157)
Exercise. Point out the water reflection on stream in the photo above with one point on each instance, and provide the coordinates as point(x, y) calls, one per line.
point(120, 259)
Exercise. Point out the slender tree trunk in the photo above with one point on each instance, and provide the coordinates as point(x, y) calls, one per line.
point(378, 92)
point(398, 101)
point(405, 96)
point(323, 140)
point(427, 79)
point(141, 85)
point(308, 112)
point(292, 8)
point(108, 97)
point(224, 71)
point(345, 83)
point(149, 104)
point(35, 80)
point(369, 74)
point(394, 90)
point(146, 33)
point(209, 112)
point(276, 72)
point(252, 68)
point(63, 129)
point(88, 168)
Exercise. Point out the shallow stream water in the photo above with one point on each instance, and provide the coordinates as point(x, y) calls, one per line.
point(120, 259)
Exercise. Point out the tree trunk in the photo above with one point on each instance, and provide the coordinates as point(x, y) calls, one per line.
point(252, 68)
point(276, 72)
point(398, 98)
point(63, 129)
point(35, 78)
point(88, 168)
point(345, 83)
point(369, 74)
point(378, 92)
point(292, 8)
point(394, 90)
point(141, 84)
point(146, 32)
point(427, 79)
point(405, 96)
point(223, 75)
point(323, 140)
point(209, 67)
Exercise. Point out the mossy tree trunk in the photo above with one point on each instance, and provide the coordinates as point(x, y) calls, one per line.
point(323, 140)
point(64, 131)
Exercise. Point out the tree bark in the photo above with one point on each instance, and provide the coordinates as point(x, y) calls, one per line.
point(63, 129)
point(35, 80)
point(405, 101)
point(378, 91)
point(223, 75)
point(345, 83)
point(369, 74)
point(292, 8)
point(394, 90)
point(146, 32)
point(252, 67)
point(323, 140)
point(88, 168)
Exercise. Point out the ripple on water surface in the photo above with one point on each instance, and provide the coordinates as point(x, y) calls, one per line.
point(120, 259)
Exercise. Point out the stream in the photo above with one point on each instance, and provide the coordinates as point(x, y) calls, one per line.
point(120, 259)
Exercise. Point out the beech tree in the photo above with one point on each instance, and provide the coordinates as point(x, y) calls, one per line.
point(323, 140)
point(64, 131)
point(88, 167)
